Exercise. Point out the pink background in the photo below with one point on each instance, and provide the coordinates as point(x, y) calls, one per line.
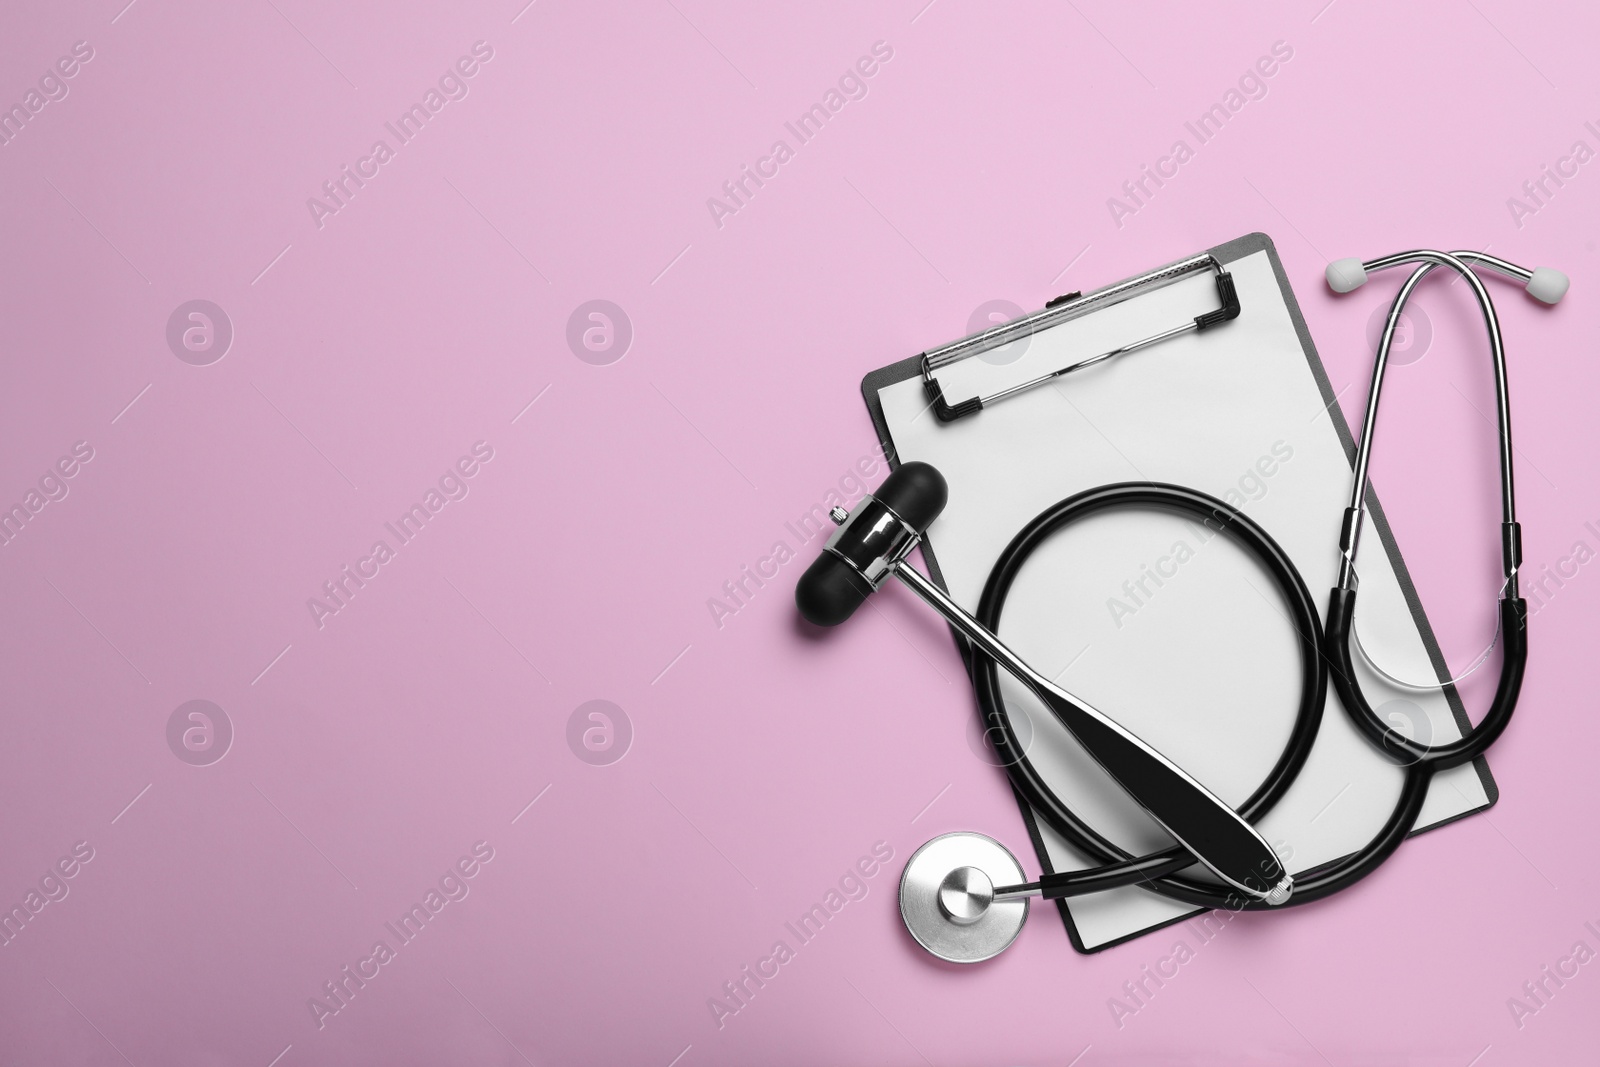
point(372, 352)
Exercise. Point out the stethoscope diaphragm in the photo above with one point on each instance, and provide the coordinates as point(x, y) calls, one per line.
point(962, 895)
point(947, 897)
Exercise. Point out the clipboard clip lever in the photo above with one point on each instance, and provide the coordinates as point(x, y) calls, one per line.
point(1063, 309)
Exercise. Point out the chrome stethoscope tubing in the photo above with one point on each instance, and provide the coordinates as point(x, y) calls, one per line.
point(962, 896)
point(1460, 263)
point(1545, 285)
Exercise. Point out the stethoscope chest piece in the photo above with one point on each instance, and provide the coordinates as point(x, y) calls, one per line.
point(947, 897)
point(962, 895)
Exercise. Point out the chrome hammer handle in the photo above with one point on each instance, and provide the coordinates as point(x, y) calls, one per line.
point(1199, 820)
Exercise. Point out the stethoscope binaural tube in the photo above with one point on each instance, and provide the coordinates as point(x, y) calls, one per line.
point(948, 898)
point(1543, 284)
point(1157, 870)
point(1344, 276)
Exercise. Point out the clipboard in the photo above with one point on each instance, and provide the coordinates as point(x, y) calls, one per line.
point(946, 429)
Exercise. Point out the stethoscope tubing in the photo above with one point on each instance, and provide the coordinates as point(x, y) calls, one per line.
point(1459, 262)
point(1325, 652)
point(1157, 870)
point(1513, 609)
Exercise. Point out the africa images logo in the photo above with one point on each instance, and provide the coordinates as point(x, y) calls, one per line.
point(853, 885)
point(453, 84)
point(452, 887)
point(1251, 85)
point(454, 484)
point(738, 191)
point(52, 88)
point(52, 486)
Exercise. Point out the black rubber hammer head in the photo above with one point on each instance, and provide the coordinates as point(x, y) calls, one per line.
point(864, 550)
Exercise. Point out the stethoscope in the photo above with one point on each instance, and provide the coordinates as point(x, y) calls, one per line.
point(964, 896)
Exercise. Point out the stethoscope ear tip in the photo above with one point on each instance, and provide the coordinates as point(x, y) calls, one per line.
point(1547, 285)
point(1345, 275)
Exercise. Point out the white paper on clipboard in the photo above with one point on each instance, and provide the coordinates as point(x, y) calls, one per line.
point(1175, 633)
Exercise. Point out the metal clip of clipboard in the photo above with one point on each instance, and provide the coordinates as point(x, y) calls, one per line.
point(1063, 309)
